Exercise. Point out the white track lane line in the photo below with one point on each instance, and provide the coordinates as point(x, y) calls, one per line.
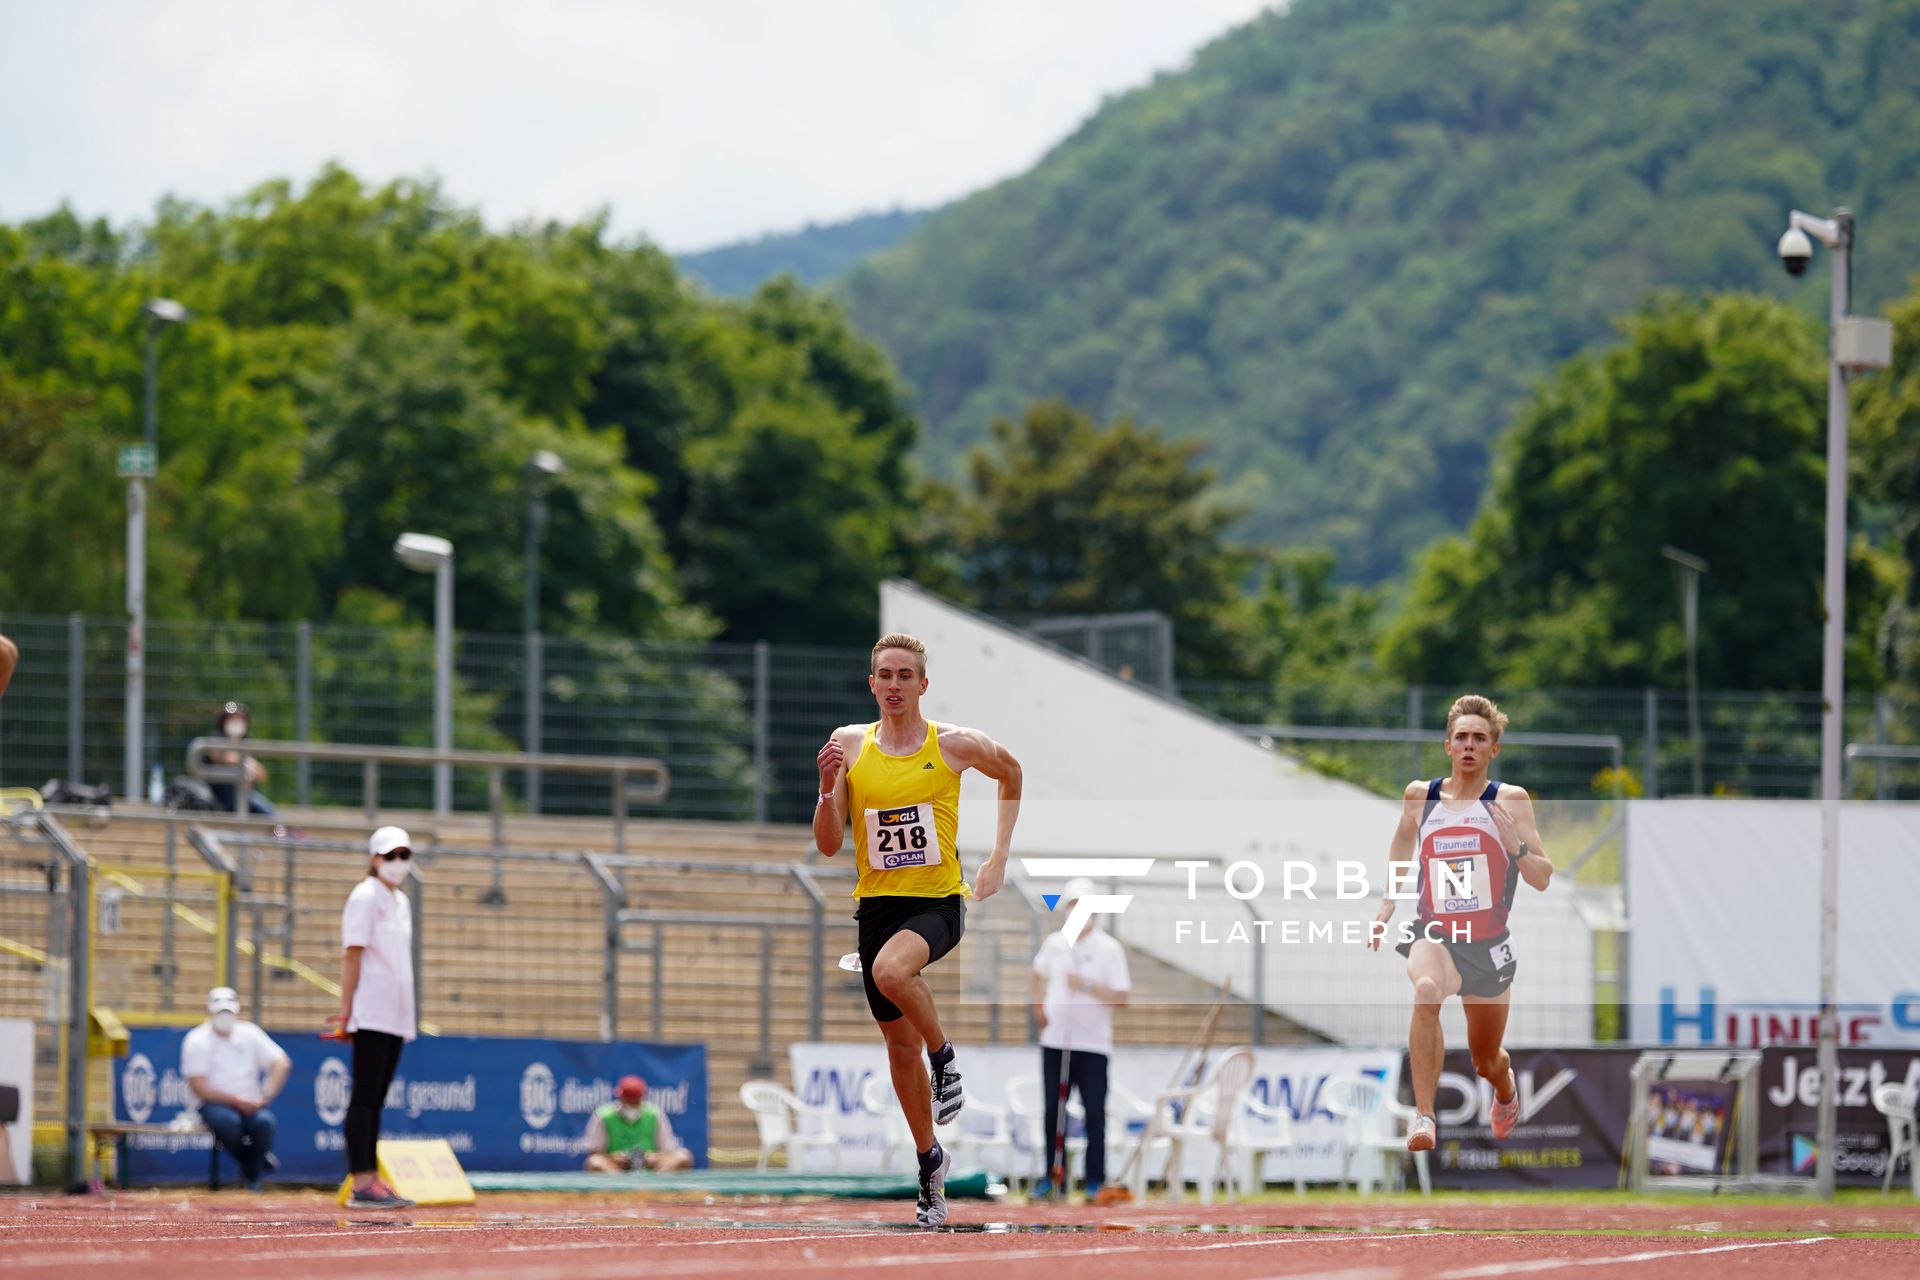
point(1492, 1269)
point(574, 1269)
point(113, 1250)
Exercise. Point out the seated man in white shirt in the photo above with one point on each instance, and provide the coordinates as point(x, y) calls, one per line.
point(1076, 987)
point(224, 1060)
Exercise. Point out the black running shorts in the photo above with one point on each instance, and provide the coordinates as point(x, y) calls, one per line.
point(940, 921)
point(1485, 968)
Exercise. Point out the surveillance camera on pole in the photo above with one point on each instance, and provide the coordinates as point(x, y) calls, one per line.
point(1858, 343)
point(1796, 251)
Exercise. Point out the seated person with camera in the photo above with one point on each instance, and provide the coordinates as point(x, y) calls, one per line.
point(632, 1133)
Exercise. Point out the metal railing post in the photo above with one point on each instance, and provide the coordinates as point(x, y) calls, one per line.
point(612, 898)
point(1650, 785)
point(816, 946)
point(536, 679)
point(496, 894)
point(167, 966)
point(76, 697)
point(303, 706)
point(370, 788)
point(79, 986)
point(1882, 712)
point(1258, 1031)
point(658, 982)
point(762, 682)
point(762, 1065)
point(207, 844)
point(620, 811)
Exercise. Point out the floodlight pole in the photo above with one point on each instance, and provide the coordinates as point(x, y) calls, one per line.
point(1837, 232)
point(159, 312)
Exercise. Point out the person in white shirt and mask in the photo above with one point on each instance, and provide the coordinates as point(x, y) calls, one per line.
point(235, 1069)
point(376, 1005)
point(1075, 989)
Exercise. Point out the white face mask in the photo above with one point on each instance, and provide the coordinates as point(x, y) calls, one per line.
point(392, 872)
point(223, 1022)
point(234, 728)
point(628, 1113)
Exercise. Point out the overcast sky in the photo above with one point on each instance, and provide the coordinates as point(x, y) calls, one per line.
point(697, 122)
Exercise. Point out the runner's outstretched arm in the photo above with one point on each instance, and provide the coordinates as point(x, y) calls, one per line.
point(1406, 837)
point(975, 750)
point(1513, 816)
point(830, 812)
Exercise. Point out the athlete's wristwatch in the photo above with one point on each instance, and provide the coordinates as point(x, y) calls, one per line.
point(1524, 851)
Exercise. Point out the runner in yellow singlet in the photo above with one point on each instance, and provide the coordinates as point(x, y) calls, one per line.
point(899, 780)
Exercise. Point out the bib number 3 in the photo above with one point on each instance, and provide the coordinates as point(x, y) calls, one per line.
point(902, 838)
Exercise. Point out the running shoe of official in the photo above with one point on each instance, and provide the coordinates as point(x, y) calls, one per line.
point(947, 1095)
point(1422, 1133)
point(931, 1211)
point(1504, 1114)
point(378, 1195)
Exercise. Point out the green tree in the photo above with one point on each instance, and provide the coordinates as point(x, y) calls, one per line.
point(1063, 516)
point(1703, 430)
point(1886, 477)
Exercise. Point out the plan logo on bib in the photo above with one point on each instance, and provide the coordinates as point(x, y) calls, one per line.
point(1090, 905)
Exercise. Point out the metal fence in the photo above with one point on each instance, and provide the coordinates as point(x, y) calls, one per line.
point(738, 724)
point(1750, 744)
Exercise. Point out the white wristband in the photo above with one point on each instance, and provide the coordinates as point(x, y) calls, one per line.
point(826, 795)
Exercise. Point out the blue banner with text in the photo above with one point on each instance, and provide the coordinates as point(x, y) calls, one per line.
point(503, 1105)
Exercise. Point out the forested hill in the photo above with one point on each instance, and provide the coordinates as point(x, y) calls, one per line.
point(812, 255)
point(1345, 242)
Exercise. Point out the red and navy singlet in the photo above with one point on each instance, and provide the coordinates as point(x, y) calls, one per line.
point(1466, 876)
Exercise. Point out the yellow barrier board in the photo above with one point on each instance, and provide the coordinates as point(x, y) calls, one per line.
point(424, 1171)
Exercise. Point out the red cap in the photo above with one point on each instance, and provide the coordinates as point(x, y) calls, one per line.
point(631, 1089)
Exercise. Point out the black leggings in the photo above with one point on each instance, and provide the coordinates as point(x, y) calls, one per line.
point(376, 1056)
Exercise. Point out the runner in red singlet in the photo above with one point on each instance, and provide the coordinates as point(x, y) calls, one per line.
point(1475, 841)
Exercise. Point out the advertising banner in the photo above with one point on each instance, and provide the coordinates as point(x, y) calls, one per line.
point(1574, 1105)
point(1790, 1105)
point(1724, 897)
point(16, 1100)
point(835, 1076)
point(501, 1104)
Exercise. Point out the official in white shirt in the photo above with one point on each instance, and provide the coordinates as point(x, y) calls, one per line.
point(376, 1005)
point(235, 1069)
point(1075, 989)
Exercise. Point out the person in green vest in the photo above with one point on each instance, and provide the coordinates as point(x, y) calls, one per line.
point(630, 1133)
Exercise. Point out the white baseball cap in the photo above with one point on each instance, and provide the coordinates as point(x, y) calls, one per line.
point(223, 1000)
point(387, 839)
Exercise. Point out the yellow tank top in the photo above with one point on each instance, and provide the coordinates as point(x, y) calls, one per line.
point(906, 819)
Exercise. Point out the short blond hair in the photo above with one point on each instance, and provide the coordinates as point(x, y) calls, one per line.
point(1473, 704)
point(899, 640)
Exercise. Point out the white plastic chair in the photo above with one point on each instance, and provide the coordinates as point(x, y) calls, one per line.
point(1371, 1125)
point(1260, 1130)
point(1895, 1101)
point(1205, 1112)
point(1127, 1117)
point(984, 1127)
point(878, 1098)
point(1027, 1110)
point(783, 1120)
